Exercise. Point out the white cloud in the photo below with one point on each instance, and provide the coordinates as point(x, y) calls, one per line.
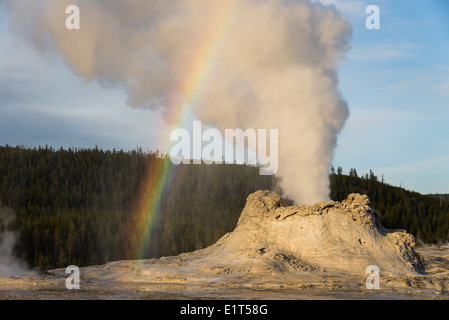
point(348, 7)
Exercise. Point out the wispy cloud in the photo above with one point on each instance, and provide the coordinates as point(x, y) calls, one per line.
point(383, 51)
point(442, 88)
point(421, 176)
point(348, 7)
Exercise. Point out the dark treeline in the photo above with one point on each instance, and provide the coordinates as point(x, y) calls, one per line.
point(424, 216)
point(83, 206)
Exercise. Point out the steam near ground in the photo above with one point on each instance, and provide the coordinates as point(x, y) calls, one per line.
point(268, 64)
point(10, 265)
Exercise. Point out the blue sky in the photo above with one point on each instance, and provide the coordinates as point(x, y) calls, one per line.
point(395, 80)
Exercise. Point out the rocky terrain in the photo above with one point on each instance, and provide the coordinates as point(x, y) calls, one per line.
point(275, 252)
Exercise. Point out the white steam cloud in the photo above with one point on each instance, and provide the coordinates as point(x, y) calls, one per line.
point(262, 64)
point(10, 264)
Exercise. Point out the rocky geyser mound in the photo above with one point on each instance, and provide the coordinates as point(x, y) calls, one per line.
point(275, 251)
point(332, 236)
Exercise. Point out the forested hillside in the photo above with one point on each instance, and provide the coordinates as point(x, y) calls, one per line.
point(424, 216)
point(82, 206)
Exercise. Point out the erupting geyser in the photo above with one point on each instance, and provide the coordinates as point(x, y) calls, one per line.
point(267, 64)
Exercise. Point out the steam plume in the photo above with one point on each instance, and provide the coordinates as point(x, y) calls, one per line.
point(268, 64)
point(10, 265)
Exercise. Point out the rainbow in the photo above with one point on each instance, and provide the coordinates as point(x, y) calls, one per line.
point(162, 178)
